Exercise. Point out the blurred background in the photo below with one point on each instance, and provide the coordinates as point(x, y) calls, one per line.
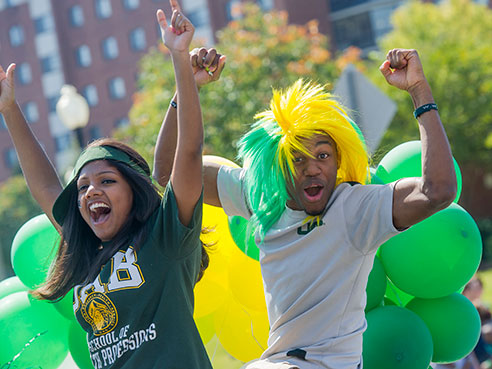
point(110, 51)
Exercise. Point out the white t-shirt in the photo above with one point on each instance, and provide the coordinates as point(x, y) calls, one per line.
point(315, 276)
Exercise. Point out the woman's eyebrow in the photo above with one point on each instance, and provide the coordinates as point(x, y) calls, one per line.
point(83, 176)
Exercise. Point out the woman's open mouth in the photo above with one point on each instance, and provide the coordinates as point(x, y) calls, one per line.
point(99, 212)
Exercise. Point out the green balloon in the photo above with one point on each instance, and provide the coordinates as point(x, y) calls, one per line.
point(77, 344)
point(33, 249)
point(405, 160)
point(388, 302)
point(32, 333)
point(453, 322)
point(65, 306)
point(11, 285)
point(435, 257)
point(374, 177)
point(394, 296)
point(238, 227)
point(396, 338)
point(376, 285)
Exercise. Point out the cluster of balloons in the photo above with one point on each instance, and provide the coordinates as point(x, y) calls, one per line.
point(229, 300)
point(414, 312)
point(37, 333)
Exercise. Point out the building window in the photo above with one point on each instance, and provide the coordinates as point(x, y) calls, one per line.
point(131, 4)
point(266, 4)
point(381, 21)
point(76, 16)
point(52, 103)
point(122, 122)
point(199, 17)
point(137, 39)
point(103, 8)
point(95, 133)
point(30, 109)
point(110, 48)
point(343, 4)
point(232, 8)
point(83, 56)
point(16, 35)
point(50, 63)
point(117, 88)
point(354, 31)
point(44, 24)
point(63, 142)
point(90, 94)
point(10, 157)
point(2, 123)
point(24, 73)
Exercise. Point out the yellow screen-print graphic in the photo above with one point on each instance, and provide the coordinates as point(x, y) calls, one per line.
point(99, 311)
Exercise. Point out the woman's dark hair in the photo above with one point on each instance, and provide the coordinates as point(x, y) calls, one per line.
point(78, 259)
point(205, 258)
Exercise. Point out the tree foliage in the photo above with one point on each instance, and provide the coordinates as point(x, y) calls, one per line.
point(454, 45)
point(16, 207)
point(263, 51)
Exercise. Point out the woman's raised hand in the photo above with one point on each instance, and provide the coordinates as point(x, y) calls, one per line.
point(176, 36)
point(207, 65)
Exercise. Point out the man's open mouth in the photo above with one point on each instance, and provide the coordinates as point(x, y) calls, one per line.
point(313, 192)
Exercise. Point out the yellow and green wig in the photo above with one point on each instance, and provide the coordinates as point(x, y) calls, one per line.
point(296, 114)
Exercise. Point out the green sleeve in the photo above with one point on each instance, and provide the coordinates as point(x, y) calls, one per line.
point(177, 239)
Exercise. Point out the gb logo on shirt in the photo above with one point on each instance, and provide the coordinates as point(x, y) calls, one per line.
point(96, 307)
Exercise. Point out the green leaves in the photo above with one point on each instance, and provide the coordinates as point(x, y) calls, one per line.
point(16, 205)
point(263, 51)
point(452, 42)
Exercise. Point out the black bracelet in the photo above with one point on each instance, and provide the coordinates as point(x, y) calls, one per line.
point(424, 108)
point(174, 104)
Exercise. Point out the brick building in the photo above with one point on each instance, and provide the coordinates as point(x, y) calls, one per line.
point(95, 45)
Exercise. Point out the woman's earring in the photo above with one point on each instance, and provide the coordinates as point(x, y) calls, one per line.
point(78, 204)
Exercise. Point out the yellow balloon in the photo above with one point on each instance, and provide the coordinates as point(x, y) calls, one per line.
point(242, 332)
point(216, 222)
point(240, 318)
point(205, 326)
point(211, 290)
point(219, 160)
point(209, 296)
point(245, 282)
point(219, 241)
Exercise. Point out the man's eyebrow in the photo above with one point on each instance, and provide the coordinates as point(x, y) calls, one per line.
point(323, 142)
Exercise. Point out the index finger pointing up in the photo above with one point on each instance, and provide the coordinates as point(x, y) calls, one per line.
point(175, 5)
point(161, 18)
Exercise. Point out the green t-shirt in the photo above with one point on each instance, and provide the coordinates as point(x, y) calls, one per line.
point(139, 311)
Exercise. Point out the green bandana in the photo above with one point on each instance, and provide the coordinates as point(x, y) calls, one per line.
point(62, 203)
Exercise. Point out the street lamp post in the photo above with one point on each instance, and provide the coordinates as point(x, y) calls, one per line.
point(73, 110)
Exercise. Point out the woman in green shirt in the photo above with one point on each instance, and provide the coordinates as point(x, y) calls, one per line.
point(132, 256)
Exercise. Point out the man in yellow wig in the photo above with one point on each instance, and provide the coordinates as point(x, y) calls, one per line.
point(317, 224)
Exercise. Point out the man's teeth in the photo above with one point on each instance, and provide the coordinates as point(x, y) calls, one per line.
point(97, 205)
